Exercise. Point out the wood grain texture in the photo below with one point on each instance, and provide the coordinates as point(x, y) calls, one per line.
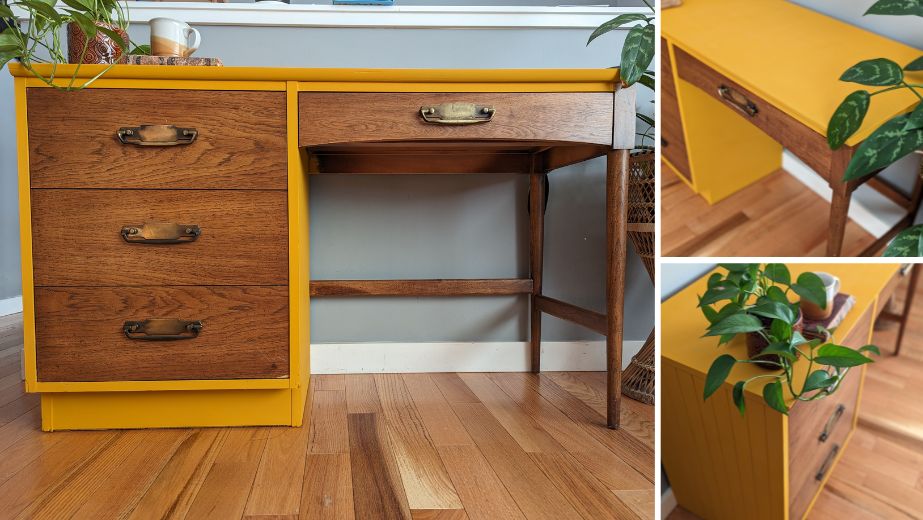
point(327, 493)
point(616, 261)
point(536, 265)
point(240, 143)
point(567, 311)
point(377, 488)
point(77, 241)
point(481, 491)
point(244, 335)
point(839, 201)
point(439, 514)
point(641, 501)
point(358, 117)
point(328, 423)
point(624, 117)
point(473, 287)
point(362, 394)
point(453, 388)
point(226, 487)
point(587, 494)
point(672, 140)
point(442, 426)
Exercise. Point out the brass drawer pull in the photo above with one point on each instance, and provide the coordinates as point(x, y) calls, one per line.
point(162, 329)
point(157, 135)
point(828, 462)
point(738, 100)
point(161, 233)
point(831, 423)
point(457, 114)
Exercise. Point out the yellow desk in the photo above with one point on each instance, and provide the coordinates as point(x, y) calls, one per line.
point(764, 465)
point(165, 267)
point(743, 80)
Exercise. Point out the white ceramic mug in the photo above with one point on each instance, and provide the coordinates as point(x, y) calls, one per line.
point(171, 37)
point(832, 288)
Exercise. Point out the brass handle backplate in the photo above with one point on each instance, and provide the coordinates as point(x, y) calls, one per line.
point(831, 423)
point(161, 233)
point(457, 113)
point(828, 463)
point(157, 135)
point(162, 329)
point(738, 100)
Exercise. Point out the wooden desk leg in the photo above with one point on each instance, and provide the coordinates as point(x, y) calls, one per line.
point(908, 306)
point(617, 242)
point(536, 252)
point(839, 203)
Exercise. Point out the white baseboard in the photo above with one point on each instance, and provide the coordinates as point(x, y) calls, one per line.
point(871, 210)
point(667, 504)
point(503, 356)
point(10, 306)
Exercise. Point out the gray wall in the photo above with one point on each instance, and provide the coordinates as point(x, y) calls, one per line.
point(10, 280)
point(435, 226)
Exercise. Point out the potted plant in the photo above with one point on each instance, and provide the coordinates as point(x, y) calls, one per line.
point(755, 301)
point(96, 33)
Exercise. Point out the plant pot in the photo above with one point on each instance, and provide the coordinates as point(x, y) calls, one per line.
point(756, 344)
point(100, 50)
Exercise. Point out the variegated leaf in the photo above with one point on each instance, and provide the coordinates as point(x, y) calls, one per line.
point(637, 53)
point(847, 118)
point(878, 72)
point(908, 242)
point(886, 145)
point(897, 7)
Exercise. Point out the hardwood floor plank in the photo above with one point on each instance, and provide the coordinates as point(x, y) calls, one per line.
point(24, 451)
point(328, 424)
point(426, 482)
point(439, 419)
point(327, 493)
point(28, 423)
point(226, 487)
point(527, 432)
point(588, 495)
point(377, 488)
point(439, 514)
point(329, 381)
point(361, 394)
point(534, 493)
point(641, 501)
point(481, 492)
point(18, 407)
point(453, 388)
point(171, 493)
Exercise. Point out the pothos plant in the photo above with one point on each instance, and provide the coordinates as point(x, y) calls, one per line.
point(897, 137)
point(750, 296)
point(637, 53)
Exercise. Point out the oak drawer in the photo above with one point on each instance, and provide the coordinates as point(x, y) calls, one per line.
point(80, 333)
point(672, 142)
point(240, 143)
point(342, 117)
point(77, 238)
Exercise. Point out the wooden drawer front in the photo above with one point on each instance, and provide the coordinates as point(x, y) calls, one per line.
point(808, 454)
point(334, 117)
point(73, 141)
point(80, 334)
point(77, 240)
point(808, 145)
point(672, 143)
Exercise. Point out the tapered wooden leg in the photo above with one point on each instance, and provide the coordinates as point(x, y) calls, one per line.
point(839, 203)
point(908, 306)
point(617, 242)
point(536, 251)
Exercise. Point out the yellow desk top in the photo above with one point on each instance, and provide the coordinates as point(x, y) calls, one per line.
point(683, 324)
point(789, 55)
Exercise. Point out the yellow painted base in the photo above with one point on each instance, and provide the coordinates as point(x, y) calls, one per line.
point(200, 408)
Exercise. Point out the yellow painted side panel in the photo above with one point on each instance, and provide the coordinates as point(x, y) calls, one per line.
point(789, 55)
point(25, 234)
point(113, 410)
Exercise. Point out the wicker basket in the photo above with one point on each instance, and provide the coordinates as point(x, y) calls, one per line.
point(638, 379)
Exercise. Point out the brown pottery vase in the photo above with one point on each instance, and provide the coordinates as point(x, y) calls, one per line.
point(100, 50)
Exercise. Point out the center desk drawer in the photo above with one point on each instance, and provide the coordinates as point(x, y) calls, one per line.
point(83, 237)
point(81, 333)
point(343, 117)
point(240, 139)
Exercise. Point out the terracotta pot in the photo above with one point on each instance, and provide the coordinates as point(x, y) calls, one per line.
point(756, 343)
point(101, 50)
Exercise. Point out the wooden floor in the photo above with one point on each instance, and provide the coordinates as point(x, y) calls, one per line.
point(776, 216)
point(422, 446)
point(880, 475)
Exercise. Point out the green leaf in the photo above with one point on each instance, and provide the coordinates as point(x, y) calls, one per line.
point(915, 120)
point(779, 349)
point(847, 119)
point(714, 279)
point(907, 243)
point(736, 268)
point(116, 38)
point(615, 23)
point(781, 330)
point(647, 79)
point(6, 12)
point(897, 7)
point(839, 356)
point(6, 57)
point(647, 119)
point(817, 380)
point(810, 287)
point(879, 72)
point(916, 64)
point(717, 373)
point(41, 8)
point(9, 42)
point(77, 5)
point(772, 309)
point(778, 273)
point(772, 393)
point(798, 339)
point(735, 324)
point(776, 294)
point(871, 348)
point(718, 293)
point(739, 396)
point(886, 145)
point(144, 50)
point(86, 25)
point(710, 314)
point(637, 53)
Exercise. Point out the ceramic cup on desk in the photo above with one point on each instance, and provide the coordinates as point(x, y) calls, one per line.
point(831, 286)
point(171, 37)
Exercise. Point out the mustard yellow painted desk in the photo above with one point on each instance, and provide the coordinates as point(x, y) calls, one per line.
point(164, 220)
point(764, 465)
point(743, 80)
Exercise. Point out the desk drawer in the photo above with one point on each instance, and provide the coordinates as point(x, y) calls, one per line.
point(810, 146)
point(240, 139)
point(673, 143)
point(77, 238)
point(334, 117)
point(80, 333)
